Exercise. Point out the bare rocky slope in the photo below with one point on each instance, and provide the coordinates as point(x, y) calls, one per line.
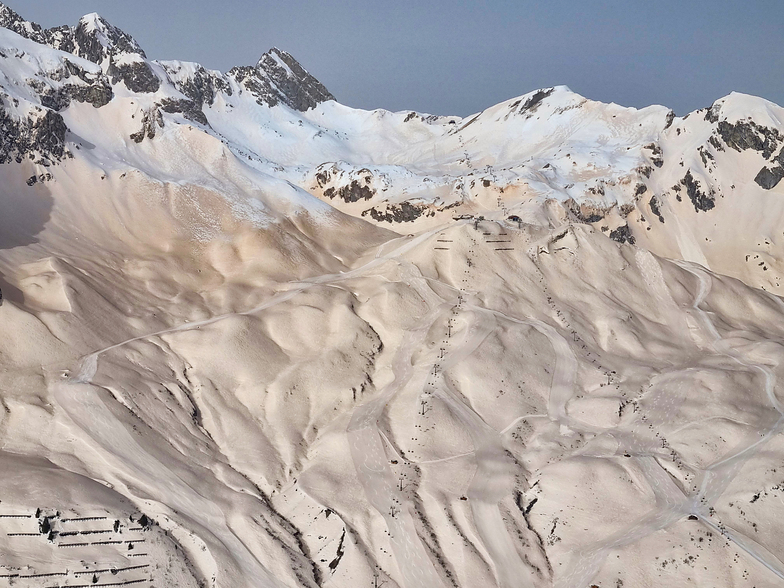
point(253, 337)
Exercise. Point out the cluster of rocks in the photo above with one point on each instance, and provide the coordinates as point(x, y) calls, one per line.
point(41, 138)
point(201, 87)
point(702, 201)
point(746, 134)
point(622, 234)
point(151, 121)
point(405, 212)
point(531, 104)
point(349, 187)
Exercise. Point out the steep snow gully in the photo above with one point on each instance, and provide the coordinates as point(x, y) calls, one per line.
point(493, 478)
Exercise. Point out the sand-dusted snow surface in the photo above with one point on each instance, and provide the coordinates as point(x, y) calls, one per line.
point(248, 344)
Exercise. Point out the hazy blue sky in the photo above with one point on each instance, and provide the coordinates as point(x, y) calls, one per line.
point(461, 57)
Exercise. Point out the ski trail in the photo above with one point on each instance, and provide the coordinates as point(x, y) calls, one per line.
point(89, 363)
point(564, 381)
point(377, 479)
point(493, 479)
point(671, 503)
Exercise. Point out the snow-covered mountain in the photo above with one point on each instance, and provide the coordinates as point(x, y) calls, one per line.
point(254, 337)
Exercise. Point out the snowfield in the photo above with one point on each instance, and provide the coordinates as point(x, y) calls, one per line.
point(256, 338)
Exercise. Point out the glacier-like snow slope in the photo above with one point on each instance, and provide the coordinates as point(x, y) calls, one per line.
point(254, 337)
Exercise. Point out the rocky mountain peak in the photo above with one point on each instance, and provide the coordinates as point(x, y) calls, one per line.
point(93, 38)
point(96, 39)
point(293, 84)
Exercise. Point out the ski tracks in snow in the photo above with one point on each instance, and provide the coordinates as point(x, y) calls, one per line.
point(672, 504)
point(493, 478)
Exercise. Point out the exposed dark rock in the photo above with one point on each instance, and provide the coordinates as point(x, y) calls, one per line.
point(323, 177)
point(187, 108)
point(535, 100)
point(640, 189)
point(98, 94)
point(699, 199)
point(353, 192)
point(749, 135)
point(559, 237)
point(202, 86)
point(705, 155)
point(14, 138)
point(656, 154)
point(276, 78)
point(20, 138)
point(89, 34)
point(339, 554)
point(669, 119)
point(85, 40)
point(150, 121)
point(55, 100)
point(61, 38)
point(44, 526)
point(531, 504)
point(138, 76)
point(645, 170)
point(93, 39)
point(622, 234)
point(397, 213)
point(279, 78)
point(12, 21)
point(716, 143)
point(301, 90)
point(712, 114)
point(585, 213)
point(769, 177)
point(654, 204)
point(32, 180)
point(410, 116)
point(597, 190)
point(49, 134)
point(248, 77)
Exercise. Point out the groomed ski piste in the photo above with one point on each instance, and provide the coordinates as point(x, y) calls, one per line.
point(258, 338)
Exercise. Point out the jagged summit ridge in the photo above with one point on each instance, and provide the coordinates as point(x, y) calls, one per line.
point(276, 78)
point(93, 38)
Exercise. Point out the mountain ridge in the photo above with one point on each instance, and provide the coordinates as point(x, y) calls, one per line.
point(396, 169)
